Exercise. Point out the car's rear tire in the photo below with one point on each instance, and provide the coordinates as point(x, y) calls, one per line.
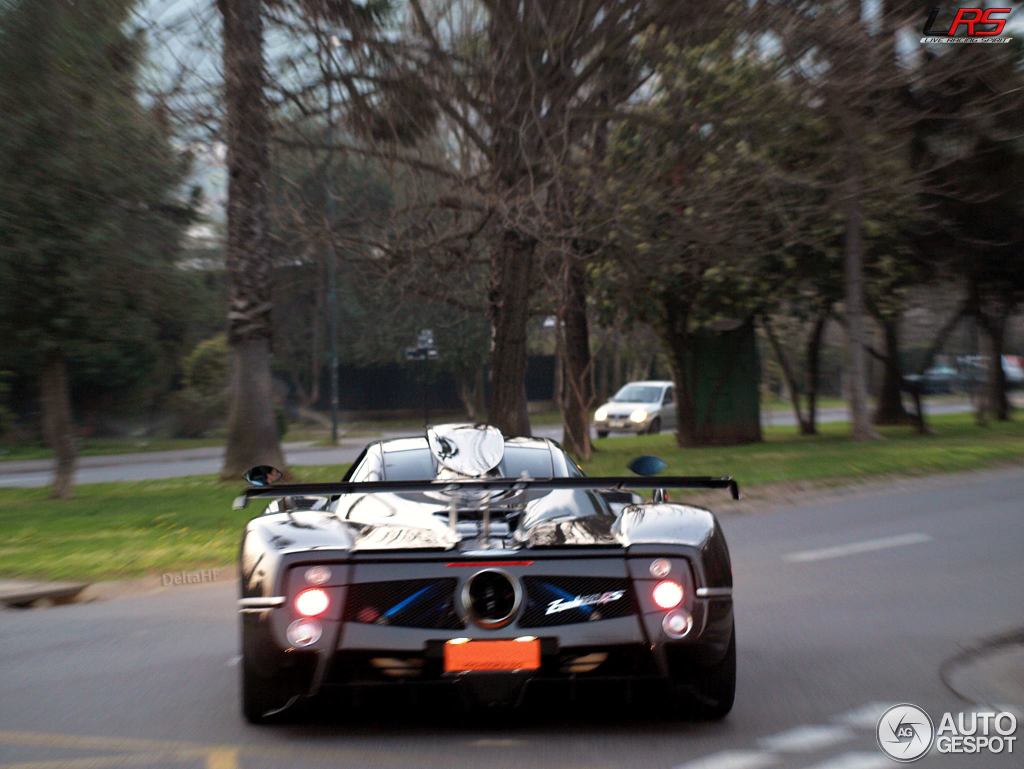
point(655, 427)
point(602, 433)
point(713, 688)
point(264, 698)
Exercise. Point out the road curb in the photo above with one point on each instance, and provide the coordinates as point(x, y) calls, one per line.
point(17, 466)
point(21, 594)
point(25, 594)
point(990, 674)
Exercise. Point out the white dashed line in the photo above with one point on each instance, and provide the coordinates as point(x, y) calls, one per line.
point(1018, 712)
point(804, 739)
point(732, 759)
point(864, 717)
point(232, 661)
point(870, 545)
point(856, 761)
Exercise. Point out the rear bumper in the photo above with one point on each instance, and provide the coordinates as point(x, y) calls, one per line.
point(626, 670)
point(628, 656)
point(636, 645)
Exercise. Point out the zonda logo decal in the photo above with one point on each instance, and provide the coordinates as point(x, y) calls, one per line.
point(594, 599)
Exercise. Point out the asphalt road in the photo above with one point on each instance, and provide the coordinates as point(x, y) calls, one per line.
point(207, 461)
point(843, 607)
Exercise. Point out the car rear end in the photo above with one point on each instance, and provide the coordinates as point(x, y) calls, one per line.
point(499, 628)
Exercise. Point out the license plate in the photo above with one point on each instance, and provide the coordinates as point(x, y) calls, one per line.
point(616, 423)
point(508, 655)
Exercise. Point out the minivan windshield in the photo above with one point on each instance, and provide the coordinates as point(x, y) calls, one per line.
point(638, 394)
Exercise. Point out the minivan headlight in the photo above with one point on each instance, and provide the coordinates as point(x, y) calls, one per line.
point(601, 414)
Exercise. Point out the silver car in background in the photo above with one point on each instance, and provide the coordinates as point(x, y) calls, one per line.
point(639, 407)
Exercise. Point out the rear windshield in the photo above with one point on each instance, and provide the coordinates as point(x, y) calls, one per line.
point(536, 463)
point(418, 464)
point(409, 465)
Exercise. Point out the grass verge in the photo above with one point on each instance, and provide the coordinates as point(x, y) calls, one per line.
point(830, 458)
point(120, 530)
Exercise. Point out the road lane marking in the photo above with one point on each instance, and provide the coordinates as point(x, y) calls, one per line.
point(88, 742)
point(732, 759)
point(860, 760)
point(1018, 712)
point(232, 661)
point(120, 761)
point(865, 716)
point(222, 759)
point(867, 546)
point(804, 739)
point(169, 751)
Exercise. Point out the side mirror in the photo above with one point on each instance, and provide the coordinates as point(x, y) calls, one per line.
point(263, 475)
point(648, 465)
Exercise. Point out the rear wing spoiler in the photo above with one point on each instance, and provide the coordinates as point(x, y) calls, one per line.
point(484, 484)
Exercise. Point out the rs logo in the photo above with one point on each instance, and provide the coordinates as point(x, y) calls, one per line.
point(978, 22)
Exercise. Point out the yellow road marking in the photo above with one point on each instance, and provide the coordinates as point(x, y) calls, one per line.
point(74, 741)
point(222, 759)
point(126, 760)
point(144, 752)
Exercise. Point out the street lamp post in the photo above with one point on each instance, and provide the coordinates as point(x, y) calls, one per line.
point(332, 262)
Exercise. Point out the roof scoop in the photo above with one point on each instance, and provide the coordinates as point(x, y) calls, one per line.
point(470, 451)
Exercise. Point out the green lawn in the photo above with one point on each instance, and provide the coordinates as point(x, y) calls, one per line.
point(116, 530)
point(122, 530)
point(830, 458)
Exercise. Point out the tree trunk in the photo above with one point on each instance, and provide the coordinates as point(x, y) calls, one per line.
point(470, 385)
point(58, 429)
point(479, 395)
point(675, 335)
point(787, 374)
point(889, 409)
point(254, 439)
point(810, 427)
point(995, 383)
point(252, 431)
point(509, 304)
point(577, 395)
point(856, 375)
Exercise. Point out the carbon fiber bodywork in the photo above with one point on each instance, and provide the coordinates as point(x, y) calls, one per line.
point(399, 573)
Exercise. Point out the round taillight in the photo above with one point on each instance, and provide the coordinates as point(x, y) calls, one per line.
point(677, 623)
point(668, 594)
point(660, 567)
point(304, 632)
point(312, 602)
point(317, 575)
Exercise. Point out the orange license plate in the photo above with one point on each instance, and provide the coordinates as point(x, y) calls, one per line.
point(492, 655)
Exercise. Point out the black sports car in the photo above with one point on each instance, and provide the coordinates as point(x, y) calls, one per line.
point(462, 558)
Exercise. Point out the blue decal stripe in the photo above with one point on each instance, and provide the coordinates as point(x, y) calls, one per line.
point(406, 601)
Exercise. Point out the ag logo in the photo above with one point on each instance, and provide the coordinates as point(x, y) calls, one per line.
point(905, 733)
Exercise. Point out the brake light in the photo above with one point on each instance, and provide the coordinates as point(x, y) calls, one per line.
point(312, 602)
point(668, 594)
